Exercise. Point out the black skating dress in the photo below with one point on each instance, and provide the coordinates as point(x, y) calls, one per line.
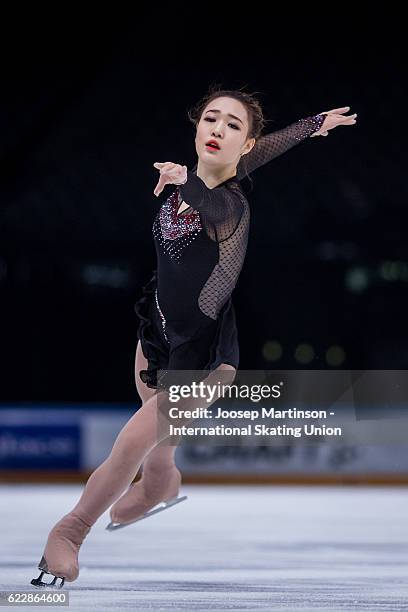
point(187, 318)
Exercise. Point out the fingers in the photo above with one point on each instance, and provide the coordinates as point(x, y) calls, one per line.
point(162, 179)
point(164, 166)
point(160, 164)
point(342, 110)
point(169, 173)
point(161, 183)
point(339, 111)
point(349, 120)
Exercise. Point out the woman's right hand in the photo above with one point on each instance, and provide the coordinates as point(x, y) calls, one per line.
point(170, 173)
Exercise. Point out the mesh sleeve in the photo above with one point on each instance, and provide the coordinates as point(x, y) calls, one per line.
point(271, 145)
point(220, 207)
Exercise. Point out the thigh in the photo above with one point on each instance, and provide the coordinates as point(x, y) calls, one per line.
point(141, 363)
point(211, 390)
point(230, 372)
point(225, 375)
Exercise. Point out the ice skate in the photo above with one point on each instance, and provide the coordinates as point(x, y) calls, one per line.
point(60, 558)
point(142, 497)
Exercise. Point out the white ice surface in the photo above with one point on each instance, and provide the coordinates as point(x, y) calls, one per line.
point(225, 548)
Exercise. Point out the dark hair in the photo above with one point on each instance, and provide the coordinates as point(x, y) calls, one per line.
point(256, 120)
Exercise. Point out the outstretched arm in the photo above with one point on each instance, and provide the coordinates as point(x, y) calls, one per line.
point(274, 144)
point(271, 145)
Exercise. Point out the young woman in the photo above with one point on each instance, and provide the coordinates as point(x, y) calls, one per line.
point(187, 319)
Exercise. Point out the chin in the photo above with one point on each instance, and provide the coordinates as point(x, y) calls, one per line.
point(209, 157)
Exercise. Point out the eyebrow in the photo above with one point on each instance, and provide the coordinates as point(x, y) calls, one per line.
point(214, 110)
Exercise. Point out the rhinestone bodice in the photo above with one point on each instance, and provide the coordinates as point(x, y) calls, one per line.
point(174, 232)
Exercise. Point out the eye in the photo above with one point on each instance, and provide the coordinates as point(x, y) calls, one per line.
point(233, 124)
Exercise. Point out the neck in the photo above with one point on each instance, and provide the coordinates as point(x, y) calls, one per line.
point(214, 176)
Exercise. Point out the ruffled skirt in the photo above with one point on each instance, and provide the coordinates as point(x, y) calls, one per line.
point(210, 345)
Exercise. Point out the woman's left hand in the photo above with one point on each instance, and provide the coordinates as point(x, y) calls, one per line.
point(169, 173)
point(334, 118)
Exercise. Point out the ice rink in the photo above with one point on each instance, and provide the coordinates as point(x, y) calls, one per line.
point(225, 548)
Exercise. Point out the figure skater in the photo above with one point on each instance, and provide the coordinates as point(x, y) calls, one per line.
point(187, 318)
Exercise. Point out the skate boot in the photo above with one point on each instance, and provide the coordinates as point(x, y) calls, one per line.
point(60, 558)
point(140, 499)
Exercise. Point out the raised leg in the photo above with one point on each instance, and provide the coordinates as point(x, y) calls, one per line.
point(144, 430)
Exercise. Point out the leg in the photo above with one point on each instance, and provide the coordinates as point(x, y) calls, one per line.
point(163, 453)
point(143, 431)
point(160, 480)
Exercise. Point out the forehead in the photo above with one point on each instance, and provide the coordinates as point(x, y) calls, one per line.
point(228, 105)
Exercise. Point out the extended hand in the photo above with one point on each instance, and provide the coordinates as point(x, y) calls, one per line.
point(334, 118)
point(169, 173)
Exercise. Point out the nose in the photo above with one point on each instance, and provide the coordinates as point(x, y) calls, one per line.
point(217, 131)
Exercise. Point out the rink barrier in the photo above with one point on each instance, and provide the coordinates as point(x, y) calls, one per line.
point(63, 477)
point(65, 443)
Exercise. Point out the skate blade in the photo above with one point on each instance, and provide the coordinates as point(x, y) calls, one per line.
point(39, 584)
point(164, 506)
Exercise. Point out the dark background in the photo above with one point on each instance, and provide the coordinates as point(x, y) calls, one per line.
point(85, 113)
